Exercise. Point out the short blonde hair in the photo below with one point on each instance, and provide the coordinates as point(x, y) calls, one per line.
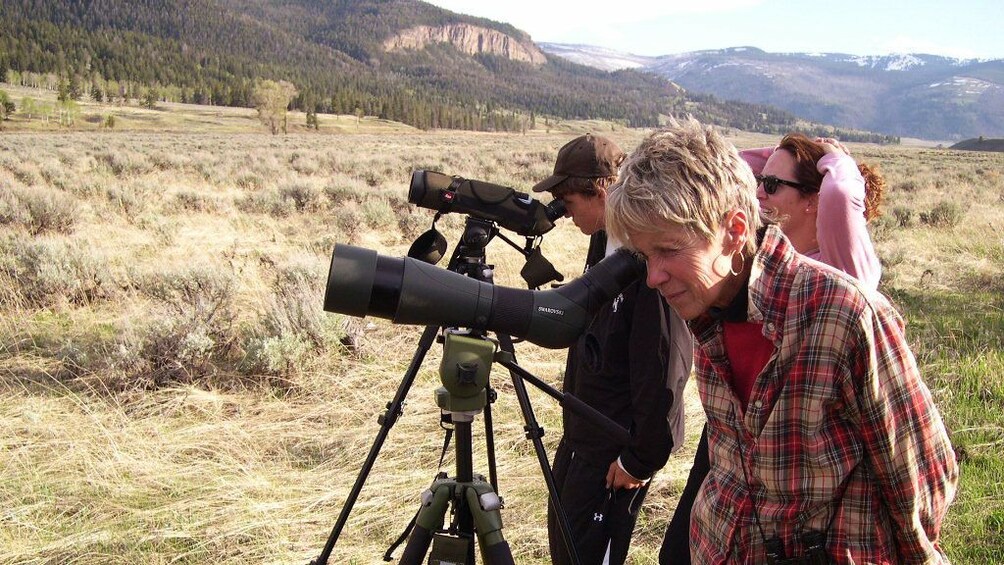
point(684, 174)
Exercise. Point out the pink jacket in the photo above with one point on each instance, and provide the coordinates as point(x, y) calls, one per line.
point(841, 229)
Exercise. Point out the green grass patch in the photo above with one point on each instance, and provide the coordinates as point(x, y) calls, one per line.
point(958, 341)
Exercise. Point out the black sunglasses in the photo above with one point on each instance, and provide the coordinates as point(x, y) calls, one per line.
point(770, 184)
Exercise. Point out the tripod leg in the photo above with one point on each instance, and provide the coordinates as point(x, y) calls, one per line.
point(534, 433)
point(387, 421)
point(435, 501)
point(485, 506)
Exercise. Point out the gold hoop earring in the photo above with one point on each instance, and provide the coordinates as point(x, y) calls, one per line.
point(742, 264)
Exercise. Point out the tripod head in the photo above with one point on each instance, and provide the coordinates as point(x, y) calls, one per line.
point(469, 253)
point(464, 373)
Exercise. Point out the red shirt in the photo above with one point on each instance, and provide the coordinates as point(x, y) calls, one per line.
point(748, 352)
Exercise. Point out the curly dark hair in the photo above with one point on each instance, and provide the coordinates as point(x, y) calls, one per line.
point(874, 189)
point(808, 152)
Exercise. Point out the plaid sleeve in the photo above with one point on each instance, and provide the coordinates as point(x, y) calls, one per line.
point(905, 440)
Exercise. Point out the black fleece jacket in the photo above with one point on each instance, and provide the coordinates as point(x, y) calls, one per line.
point(618, 366)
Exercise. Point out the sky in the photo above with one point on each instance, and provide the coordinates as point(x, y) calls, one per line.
point(952, 28)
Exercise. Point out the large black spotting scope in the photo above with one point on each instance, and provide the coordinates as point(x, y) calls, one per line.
point(408, 291)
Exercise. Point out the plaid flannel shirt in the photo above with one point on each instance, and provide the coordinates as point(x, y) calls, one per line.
point(840, 434)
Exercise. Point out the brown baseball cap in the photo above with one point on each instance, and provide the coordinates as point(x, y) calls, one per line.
point(587, 156)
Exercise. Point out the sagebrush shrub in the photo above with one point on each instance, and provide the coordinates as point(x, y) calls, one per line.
point(378, 213)
point(130, 202)
point(124, 163)
point(280, 356)
point(75, 360)
point(882, 228)
point(294, 306)
point(266, 202)
point(304, 164)
point(303, 195)
point(200, 294)
point(193, 201)
point(342, 189)
point(372, 179)
point(52, 272)
point(25, 173)
point(58, 175)
point(176, 351)
point(338, 193)
point(903, 216)
point(11, 210)
point(293, 323)
point(193, 326)
point(411, 221)
point(168, 160)
point(50, 210)
point(249, 181)
point(944, 214)
point(349, 220)
point(38, 210)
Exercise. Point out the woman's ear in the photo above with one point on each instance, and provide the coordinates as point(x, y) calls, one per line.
point(812, 203)
point(736, 231)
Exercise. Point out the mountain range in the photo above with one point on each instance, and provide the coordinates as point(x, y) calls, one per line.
point(924, 96)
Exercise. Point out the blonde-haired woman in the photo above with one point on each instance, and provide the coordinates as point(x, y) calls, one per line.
point(823, 441)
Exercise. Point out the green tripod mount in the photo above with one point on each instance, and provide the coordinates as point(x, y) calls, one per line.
point(464, 372)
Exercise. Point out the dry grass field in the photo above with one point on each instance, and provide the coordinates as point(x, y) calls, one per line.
point(171, 391)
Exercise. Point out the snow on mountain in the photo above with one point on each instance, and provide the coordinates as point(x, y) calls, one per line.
point(596, 57)
point(910, 94)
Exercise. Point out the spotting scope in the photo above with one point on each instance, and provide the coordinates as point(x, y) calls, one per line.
point(408, 291)
point(512, 210)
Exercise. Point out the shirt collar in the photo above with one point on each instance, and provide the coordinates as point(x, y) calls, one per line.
point(613, 244)
point(771, 280)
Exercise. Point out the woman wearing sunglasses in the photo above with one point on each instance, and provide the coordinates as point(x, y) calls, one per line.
point(823, 200)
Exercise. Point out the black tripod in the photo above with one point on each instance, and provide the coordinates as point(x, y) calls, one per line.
point(464, 372)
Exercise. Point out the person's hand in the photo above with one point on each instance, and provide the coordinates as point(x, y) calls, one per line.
point(618, 478)
point(831, 145)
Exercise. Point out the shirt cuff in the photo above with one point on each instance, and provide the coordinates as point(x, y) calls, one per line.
point(621, 465)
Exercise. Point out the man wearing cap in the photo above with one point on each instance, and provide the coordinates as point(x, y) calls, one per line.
point(631, 364)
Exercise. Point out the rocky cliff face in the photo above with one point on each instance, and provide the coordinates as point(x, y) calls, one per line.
point(468, 39)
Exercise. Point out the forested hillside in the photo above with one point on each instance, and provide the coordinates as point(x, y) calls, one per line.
point(335, 53)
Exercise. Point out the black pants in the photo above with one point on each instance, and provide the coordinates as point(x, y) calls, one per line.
point(598, 518)
point(676, 545)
